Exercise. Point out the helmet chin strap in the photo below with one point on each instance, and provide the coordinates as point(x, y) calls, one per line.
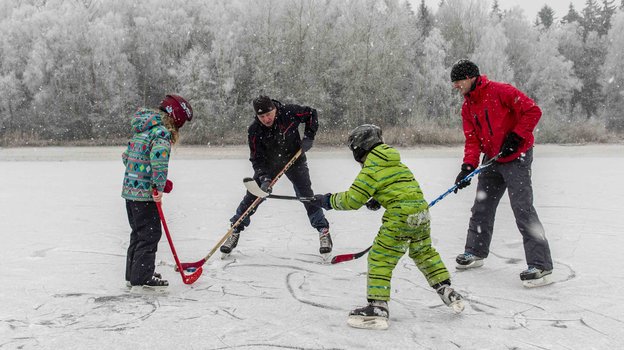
point(359, 154)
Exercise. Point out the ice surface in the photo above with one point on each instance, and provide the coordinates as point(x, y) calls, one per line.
point(64, 234)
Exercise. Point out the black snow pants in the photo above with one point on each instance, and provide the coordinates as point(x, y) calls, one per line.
point(299, 176)
point(514, 176)
point(146, 232)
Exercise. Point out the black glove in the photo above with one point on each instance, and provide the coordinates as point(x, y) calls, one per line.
point(322, 201)
point(373, 205)
point(466, 169)
point(265, 183)
point(306, 144)
point(510, 145)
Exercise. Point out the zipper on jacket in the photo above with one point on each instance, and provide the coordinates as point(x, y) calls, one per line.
point(477, 120)
point(487, 119)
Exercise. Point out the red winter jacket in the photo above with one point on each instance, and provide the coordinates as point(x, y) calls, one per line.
point(489, 113)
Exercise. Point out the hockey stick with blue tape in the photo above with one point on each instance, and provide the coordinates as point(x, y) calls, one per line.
point(352, 256)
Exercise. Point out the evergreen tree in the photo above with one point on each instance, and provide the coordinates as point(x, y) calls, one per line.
point(546, 16)
point(496, 12)
point(590, 19)
point(572, 15)
point(425, 19)
point(606, 12)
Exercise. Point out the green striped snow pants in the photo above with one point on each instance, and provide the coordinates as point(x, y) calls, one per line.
point(391, 243)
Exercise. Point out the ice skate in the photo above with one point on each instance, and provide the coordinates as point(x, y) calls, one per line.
point(372, 316)
point(154, 285)
point(468, 261)
point(451, 298)
point(156, 274)
point(534, 277)
point(325, 242)
point(230, 243)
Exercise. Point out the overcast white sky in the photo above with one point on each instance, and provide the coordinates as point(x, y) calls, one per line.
point(530, 7)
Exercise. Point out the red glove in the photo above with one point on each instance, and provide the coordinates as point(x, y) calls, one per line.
point(168, 186)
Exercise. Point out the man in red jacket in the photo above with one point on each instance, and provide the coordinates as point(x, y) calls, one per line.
point(499, 119)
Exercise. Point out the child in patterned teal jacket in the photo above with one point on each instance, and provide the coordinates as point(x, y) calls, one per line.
point(147, 163)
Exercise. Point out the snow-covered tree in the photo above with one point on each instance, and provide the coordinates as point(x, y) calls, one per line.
point(613, 75)
point(490, 54)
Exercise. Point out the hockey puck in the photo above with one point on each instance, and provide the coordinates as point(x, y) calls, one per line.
point(191, 269)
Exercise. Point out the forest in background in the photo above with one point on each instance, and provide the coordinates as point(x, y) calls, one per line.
point(73, 71)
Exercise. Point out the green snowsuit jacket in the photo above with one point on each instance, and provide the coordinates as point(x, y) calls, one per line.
point(387, 180)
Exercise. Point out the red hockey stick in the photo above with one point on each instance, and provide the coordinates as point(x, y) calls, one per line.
point(199, 263)
point(187, 279)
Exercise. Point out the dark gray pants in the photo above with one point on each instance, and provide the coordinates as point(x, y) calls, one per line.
point(146, 232)
point(514, 176)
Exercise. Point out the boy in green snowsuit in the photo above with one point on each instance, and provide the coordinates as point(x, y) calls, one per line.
point(385, 181)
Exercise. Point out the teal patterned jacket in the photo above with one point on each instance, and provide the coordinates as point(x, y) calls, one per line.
point(147, 156)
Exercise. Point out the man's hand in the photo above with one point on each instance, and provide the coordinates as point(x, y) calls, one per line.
point(466, 169)
point(510, 145)
point(265, 183)
point(373, 204)
point(306, 144)
point(322, 201)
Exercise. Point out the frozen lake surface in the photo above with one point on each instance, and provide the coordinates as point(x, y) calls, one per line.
point(65, 232)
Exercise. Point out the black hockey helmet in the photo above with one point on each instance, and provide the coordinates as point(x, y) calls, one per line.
point(362, 139)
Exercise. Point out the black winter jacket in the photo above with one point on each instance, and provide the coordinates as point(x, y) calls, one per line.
point(272, 147)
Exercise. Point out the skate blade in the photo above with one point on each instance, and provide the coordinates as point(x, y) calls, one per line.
point(472, 265)
point(540, 282)
point(367, 322)
point(224, 256)
point(148, 290)
point(457, 306)
point(326, 257)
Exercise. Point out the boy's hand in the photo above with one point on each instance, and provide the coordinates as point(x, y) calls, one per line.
point(373, 204)
point(322, 201)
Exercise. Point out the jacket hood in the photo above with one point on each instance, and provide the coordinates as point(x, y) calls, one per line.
point(383, 156)
point(145, 119)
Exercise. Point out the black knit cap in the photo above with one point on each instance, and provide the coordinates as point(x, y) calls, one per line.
point(263, 104)
point(464, 69)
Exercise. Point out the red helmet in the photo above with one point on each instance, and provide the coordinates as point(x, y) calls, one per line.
point(178, 108)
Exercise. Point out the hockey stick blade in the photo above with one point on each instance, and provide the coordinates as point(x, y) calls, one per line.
point(348, 257)
point(253, 188)
point(197, 264)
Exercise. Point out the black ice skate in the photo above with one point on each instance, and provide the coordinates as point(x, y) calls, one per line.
point(230, 243)
point(325, 241)
point(535, 277)
point(468, 261)
point(451, 298)
point(156, 274)
point(153, 285)
point(372, 316)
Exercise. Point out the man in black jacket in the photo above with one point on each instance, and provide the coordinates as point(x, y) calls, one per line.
point(274, 139)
